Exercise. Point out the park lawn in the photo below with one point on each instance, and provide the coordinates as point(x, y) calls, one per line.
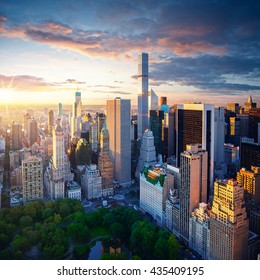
point(98, 231)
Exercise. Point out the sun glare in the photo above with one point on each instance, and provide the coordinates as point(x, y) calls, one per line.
point(5, 95)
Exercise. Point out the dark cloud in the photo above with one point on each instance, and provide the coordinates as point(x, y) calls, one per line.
point(210, 72)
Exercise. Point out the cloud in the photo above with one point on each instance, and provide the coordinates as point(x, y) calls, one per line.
point(117, 92)
point(25, 82)
point(215, 73)
point(210, 45)
point(33, 83)
point(73, 81)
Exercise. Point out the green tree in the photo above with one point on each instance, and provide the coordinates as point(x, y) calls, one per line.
point(173, 247)
point(117, 231)
point(47, 213)
point(79, 232)
point(20, 243)
point(25, 221)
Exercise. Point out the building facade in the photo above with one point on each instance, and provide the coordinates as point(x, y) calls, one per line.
point(142, 94)
point(193, 188)
point(155, 184)
point(105, 164)
point(91, 182)
point(118, 125)
point(147, 153)
point(32, 179)
point(228, 222)
point(194, 123)
point(199, 239)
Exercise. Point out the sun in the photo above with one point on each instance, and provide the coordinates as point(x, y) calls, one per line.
point(6, 95)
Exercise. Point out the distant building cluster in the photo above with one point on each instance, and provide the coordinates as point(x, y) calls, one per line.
point(197, 165)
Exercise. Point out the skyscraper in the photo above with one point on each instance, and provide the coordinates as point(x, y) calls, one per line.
point(32, 179)
point(104, 162)
point(17, 137)
point(249, 154)
point(76, 113)
point(233, 107)
point(250, 181)
point(228, 222)
point(157, 127)
point(100, 121)
point(254, 124)
point(194, 123)
point(33, 131)
point(152, 100)
point(50, 121)
point(93, 136)
point(142, 93)
point(219, 127)
point(147, 153)
point(193, 187)
point(118, 124)
point(249, 104)
point(60, 109)
point(58, 170)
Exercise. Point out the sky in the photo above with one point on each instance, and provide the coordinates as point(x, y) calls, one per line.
point(199, 50)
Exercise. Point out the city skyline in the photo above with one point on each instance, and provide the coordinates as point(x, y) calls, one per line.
point(198, 51)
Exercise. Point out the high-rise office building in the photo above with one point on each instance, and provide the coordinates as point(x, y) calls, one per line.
point(199, 239)
point(249, 104)
point(60, 109)
point(93, 136)
point(76, 113)
point(250, 181)
point(169, 124)
point(147, 153)
point(100, 122)
point(254, 124)
point(16, 136)
point(155, 184)
point(157, 127)
point(233, 107)
point(249, 154)
point(193, 187)
point(32, 179)
point(228, 222)
point(105, 164)
point(194, 123)
point(118, 124)
point(33, 131)
point(142, 94)
point(219, 127)
point(152, 100)
point(50, 121)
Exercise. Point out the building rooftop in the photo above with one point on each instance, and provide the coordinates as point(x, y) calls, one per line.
point(72, 185)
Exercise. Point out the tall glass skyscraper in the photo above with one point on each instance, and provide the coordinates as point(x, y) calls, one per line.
point(76, 113)
point(118, 125)
point(142, 94)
